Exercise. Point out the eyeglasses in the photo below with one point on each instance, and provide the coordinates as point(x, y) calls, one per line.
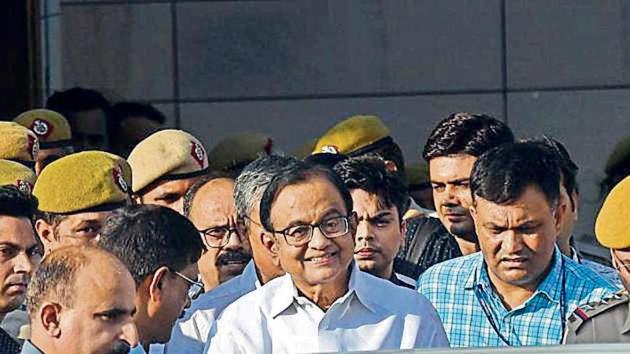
point(217, 237)
point(300, 235)
point(195, 287)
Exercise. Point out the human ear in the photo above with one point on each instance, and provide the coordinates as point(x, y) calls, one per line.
point(157, 284)
point(558, 214)
point(403, 232)
point(46, 233)
point(50, 318)
point(270, 242)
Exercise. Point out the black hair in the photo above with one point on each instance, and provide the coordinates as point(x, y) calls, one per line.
point(122, 110)
point(325, 159)
point(296, 174)
point(502, 174)
point(77, 99)
point(370, 174)
point(146, 237)
point(568, 167)
point(16, 203)
point(192, 191)
point(466, 133)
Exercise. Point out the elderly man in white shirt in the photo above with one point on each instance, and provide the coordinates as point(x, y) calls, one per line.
point(324, 303)
point(190, 333)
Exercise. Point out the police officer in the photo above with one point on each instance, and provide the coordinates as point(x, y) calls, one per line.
point(165, 165)
point(608, 320)
point(18, 144)
point(235, 152)
point(77, 193)
point(53, 132)
point(15, 174)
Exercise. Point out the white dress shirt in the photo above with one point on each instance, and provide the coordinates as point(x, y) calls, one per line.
point(373, 315)
point(190, 332)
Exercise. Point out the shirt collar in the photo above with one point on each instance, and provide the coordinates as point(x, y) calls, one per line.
point(286, 293)
point(250, 276)
point(550, 286)
point(30, 348)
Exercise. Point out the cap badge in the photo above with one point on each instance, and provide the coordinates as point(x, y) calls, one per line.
point(41, 127)
point(330, 149)
point(119, 180)
point(33, 146)
point(24, 186)
point(198, 153)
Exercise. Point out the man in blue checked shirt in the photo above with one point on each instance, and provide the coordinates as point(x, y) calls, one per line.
point(519, 289)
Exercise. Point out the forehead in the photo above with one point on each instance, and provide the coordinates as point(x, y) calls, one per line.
point(369, 202)
point(213, 200)
point(89, 121)
point(88, 217)
point(306, 201)
point(179, 186)
point(451, 167)
point(532, 204)
point(16, 231)
point(104, 284)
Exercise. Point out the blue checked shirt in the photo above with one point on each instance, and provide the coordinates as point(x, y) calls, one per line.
point(538, 321)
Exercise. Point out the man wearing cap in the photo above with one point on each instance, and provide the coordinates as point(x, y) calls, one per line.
point(77, 193)
point(15, 174)
point(165, 165)
point(419, 184)
point(18, 144)
point(233, 153)
point(53, 132)
point(608, 320)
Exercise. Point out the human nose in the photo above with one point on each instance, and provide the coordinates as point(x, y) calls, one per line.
point(130, 333)
point(512, 242)
point(22, 263)
point(233, 239)
point(364, 231)
point(318, 239)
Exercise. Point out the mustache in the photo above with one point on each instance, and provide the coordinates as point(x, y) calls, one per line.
point(120, 348)
point(233, 256)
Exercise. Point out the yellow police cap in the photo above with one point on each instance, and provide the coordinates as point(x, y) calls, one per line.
point(417, 174)
point(238, 150)
point(612, 227)
point(86, 180)
point(52, 129)
point(15, 174)
point(168, 154)
point(17, 143)
point(352, 134)
point(620, 153)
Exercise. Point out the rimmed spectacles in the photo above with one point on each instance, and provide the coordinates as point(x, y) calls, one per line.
point(219, 236)
point(195, 287)
point(299, 235)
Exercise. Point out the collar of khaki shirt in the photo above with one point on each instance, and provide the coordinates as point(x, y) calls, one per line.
point(287, 294)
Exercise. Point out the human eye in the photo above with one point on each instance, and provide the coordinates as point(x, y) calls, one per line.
point(334, 225)
point(438, 187)
point(216, 232)
point(382, 222)
point(298, 232)
point(7, 252)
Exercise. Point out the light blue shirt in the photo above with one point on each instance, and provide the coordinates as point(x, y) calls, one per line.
point(190, 333)
point(451, 285)
point(29, 348)
point(374, 314)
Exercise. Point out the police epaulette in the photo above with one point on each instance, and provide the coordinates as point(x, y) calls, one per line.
point(589, 310)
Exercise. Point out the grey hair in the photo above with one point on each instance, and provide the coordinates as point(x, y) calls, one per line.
point(252, 182)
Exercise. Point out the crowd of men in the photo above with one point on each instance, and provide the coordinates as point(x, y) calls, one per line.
point(162, 247)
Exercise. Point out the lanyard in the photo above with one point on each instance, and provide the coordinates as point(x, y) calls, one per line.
point(488, 311)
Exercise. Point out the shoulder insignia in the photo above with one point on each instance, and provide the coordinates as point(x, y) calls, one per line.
point(585, 312)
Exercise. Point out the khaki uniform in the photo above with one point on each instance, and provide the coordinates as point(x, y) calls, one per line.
point(604, 322)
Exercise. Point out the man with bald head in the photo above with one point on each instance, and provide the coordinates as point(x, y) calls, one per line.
point(210, 206)
point(81, 300)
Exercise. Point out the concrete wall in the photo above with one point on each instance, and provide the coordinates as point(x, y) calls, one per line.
point(294, 68)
